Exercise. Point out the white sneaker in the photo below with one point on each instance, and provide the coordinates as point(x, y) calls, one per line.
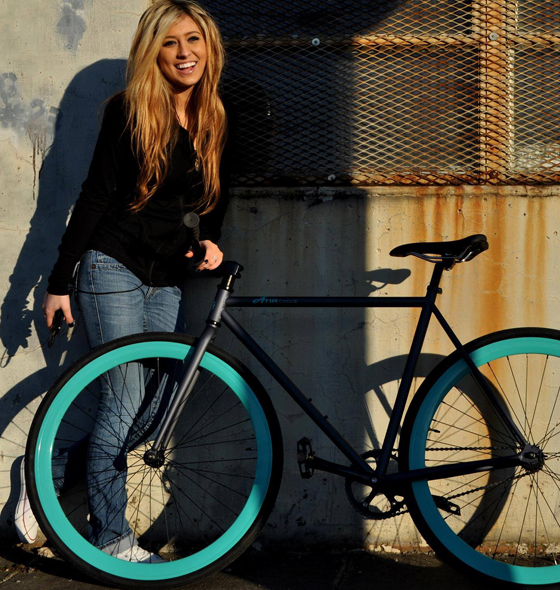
point(136, 554)
point(24, 519)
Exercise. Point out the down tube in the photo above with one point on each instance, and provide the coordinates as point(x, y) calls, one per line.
point(294, 392)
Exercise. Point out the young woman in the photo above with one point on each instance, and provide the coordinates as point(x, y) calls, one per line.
point(161, 153)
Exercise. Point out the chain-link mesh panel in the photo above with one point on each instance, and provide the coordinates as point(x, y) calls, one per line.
point(393, 91)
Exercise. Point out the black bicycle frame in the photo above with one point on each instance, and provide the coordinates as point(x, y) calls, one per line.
point(359, 470)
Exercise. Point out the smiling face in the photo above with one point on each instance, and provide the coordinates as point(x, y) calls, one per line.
point(182, 57)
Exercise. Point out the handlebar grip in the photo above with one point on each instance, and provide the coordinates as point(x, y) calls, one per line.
point(191, 220)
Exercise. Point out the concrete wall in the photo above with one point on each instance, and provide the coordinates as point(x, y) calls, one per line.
point(60, 60)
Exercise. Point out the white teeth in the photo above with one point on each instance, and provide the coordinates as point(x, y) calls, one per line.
point(186, 65)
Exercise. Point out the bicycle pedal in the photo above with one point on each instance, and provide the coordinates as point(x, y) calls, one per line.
point(305, 455)
point(444, 504)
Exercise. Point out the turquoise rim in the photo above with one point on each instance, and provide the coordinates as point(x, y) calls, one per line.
point(139, 571)
point(502, 571)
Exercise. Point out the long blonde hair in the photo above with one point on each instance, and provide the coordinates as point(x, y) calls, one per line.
point(150, 106)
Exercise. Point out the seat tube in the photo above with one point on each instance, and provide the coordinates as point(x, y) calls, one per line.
point(408, 374)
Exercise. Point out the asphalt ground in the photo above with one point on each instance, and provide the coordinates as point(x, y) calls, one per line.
point(325, 569)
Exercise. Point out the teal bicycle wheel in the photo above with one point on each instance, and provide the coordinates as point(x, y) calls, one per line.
point(502, 524)
point(199, 510)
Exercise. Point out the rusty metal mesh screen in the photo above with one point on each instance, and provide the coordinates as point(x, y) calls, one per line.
point(393, 91)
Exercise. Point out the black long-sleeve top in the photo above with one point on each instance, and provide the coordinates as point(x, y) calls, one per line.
point(152, 242)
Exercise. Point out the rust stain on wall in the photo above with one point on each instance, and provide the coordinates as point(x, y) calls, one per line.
point(497, 222)
point(495, 291)
point(502, 287)
point(37, 132)
point(533, 265)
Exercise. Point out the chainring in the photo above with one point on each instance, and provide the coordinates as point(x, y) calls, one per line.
point(371, 504)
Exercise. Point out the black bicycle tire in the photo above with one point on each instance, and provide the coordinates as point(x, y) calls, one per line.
point(260, 520)
point(405, 445)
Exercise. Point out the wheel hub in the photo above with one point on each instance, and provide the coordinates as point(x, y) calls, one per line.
point(154, 458)
point(532, 458)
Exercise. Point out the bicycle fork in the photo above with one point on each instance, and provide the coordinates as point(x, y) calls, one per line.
point(155, 456)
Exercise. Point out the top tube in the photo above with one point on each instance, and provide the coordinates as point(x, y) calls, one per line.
point(363, 302)
point(273, 301)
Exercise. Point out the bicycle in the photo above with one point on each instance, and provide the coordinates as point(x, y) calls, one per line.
point(201, 483)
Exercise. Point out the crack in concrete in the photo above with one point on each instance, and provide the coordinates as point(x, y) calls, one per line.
point(21, 231)
point(252, 230)
point(340, 573)
point(22, 351)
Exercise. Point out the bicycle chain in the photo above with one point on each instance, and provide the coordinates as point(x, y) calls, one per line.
point(468, 449)
point(484, 487)
point(405, 511)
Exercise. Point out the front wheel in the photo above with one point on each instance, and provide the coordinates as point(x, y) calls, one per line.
point(196, 510)
point(505, 523)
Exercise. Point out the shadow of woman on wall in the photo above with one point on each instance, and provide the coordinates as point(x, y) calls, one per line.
point(61, 173)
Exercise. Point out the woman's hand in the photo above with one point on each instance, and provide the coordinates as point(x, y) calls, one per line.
point(213, 256)
point(53, 302)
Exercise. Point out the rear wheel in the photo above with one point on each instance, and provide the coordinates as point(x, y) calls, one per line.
point(505, 523)
point(199, 509)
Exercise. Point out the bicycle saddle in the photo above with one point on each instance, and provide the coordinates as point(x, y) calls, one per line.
point(457, 250)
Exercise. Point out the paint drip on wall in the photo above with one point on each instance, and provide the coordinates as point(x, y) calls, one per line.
point(19, 118)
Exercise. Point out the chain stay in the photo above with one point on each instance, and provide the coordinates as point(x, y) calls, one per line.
point(460, 495)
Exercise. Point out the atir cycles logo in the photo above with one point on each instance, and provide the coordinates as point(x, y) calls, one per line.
point(274, 300)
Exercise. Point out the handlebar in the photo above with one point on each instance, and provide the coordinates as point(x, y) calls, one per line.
point(192, 220)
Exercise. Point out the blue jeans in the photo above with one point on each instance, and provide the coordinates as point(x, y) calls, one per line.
point(128, 404)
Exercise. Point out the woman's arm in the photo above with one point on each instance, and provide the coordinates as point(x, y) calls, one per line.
point(93, 202)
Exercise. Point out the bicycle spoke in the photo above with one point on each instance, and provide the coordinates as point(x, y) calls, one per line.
point(193, 522)
point(220, 442)
point(546, 431)
point(199, 473)
point(220, 430)
point(461, 429)
point(530, 437)
point(478, 420)
point(505, 519)
point(191, 401)
point(227, 411)
point(168, 535)
point(505, 397)
point(239, 475)
point(521, 532)
point(550, 509)
point(538, 394)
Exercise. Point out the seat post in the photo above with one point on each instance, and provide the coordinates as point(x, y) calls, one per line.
point(436, 277)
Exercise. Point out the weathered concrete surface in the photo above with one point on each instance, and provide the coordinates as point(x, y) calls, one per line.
point(272, 570)
point(60, 61)
point(349, 361)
